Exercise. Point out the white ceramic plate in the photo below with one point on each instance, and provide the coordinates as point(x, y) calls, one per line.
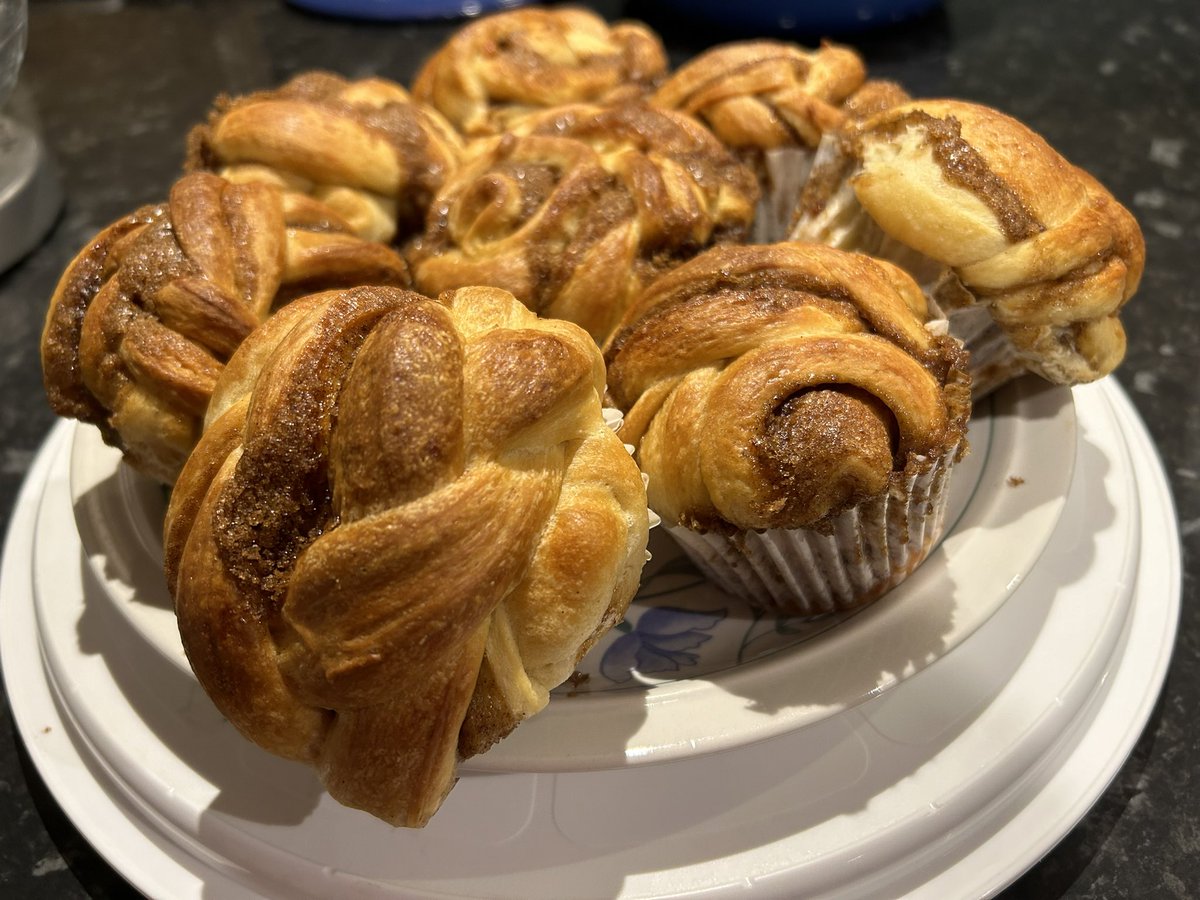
point(1041, 811)
point(147, 858)
point(691, 669)
point(950, 784)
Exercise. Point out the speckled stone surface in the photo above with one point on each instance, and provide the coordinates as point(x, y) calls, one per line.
point(1115, 86)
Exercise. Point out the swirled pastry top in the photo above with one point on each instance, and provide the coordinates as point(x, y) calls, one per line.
point(577, 208)
point(765, 94)
point(1048, 249)
point(404, 524)
point(515, 62)
point(364, 148)
point(773, 386)
point(144, 318)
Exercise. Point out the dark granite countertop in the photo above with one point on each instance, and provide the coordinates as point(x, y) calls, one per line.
point(1115, 86)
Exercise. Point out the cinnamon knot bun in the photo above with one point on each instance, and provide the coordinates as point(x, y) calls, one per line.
point(577, 208)
point(364, 148)
point(404, 524)
point(781, 389)
point(506, 65)
point(145, 317)
point(762, 95)
point(1029, 256)
point(770, 102)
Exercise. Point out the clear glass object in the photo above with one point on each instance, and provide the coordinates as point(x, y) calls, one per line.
point(30, 194)
point(13, 18)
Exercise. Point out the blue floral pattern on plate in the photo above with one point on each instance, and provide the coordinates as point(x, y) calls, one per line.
point(681, 626)
point(660, 642)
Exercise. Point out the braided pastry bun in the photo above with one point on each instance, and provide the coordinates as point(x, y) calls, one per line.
point(147, 314)
point(506, 65)
point(796, 419)
point(765, 94)
point(771, 102)
point(404, 524)
point(363, 148)
point(578, 208)
point(1029, 256)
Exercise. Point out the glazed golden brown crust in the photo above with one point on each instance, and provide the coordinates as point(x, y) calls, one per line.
point(874, 96)
point(579, 207)
point(363, 148)
point(405, 525)
point(513, 63)
point(774, 386)
point(1039, 241)
point(144, 318)
point(763, 95)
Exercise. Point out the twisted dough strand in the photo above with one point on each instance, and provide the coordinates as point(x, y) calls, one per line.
point(1037, 241)
point(770, 102)
point(404, 526)
point(579, 207)
point(774, 386)
point(765, 94)
point(759, 488)
point(364, 148)
point(504, 66)
point(144, 318)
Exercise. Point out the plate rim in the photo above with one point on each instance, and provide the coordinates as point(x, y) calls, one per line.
point(968, 875)
point(48, 737)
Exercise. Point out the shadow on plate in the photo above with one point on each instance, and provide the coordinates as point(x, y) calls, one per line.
point(246, 782)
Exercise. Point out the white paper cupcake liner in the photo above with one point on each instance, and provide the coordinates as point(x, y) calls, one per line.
point(865, 551)
point(842, 223)
point(993, 356)
point(614, 419)
point(783, 172)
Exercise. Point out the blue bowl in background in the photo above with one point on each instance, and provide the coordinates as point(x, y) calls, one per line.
point(762, 16)
point(399, 10)
point(804, 16)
